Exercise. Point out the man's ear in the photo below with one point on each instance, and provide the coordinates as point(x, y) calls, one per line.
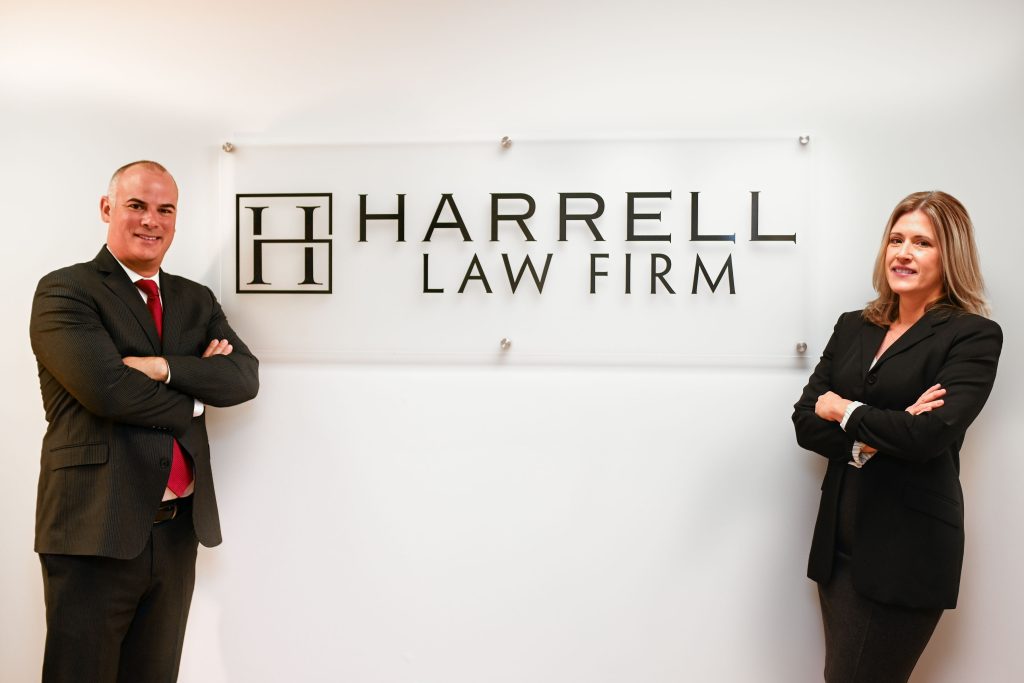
point(105, 209)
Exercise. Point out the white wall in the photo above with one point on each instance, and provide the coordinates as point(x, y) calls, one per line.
point(459, 525)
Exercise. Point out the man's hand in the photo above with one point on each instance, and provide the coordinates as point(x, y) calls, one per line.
point(153, 367)
point(156, 368)
point(218, 347)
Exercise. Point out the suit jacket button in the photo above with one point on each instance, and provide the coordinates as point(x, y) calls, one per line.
point(872, 379)
point(164, 463)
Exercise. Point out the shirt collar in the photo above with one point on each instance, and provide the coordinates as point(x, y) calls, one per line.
point(135, 277)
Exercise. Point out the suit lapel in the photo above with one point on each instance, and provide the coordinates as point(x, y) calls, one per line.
point(118, 282)
point(870, 339)
point(918, 332)
point(173, 323)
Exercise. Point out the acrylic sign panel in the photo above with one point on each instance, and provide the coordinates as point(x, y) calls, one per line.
point(638, 251)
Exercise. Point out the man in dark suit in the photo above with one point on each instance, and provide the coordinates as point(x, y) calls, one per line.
point(129, 357)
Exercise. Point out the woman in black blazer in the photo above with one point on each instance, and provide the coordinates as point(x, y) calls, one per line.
point(888, 405)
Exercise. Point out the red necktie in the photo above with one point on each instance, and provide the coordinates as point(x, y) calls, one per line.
point(181, 472)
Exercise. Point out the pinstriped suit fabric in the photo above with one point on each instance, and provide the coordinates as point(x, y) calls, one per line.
point(107, 449)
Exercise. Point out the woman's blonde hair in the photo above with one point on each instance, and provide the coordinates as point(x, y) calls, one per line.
point(962, 286)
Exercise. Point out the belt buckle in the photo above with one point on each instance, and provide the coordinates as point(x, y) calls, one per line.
point(170, 506)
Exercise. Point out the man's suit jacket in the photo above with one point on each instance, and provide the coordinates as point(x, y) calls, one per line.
point(908, 540)
point(107, 450)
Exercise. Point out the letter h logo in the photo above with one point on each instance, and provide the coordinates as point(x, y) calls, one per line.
point(283, 243)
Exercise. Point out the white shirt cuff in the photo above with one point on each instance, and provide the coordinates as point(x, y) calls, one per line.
point(848, 412)
point(858, 457)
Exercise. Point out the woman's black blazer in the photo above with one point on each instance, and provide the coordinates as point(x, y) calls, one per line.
point(909, 531)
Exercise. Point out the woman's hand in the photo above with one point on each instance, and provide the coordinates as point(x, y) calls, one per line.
point(831, 406)
point(929, 400)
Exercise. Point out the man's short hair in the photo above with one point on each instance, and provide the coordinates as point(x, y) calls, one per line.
point(112, 187)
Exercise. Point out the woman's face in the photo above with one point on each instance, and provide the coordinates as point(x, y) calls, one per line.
point(913, 265)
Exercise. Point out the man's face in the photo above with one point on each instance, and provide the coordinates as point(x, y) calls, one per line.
point(140, 217)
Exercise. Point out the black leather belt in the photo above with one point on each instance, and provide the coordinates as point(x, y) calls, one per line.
point(169, 509)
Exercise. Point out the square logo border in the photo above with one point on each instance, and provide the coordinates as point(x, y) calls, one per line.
point(330, 244)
